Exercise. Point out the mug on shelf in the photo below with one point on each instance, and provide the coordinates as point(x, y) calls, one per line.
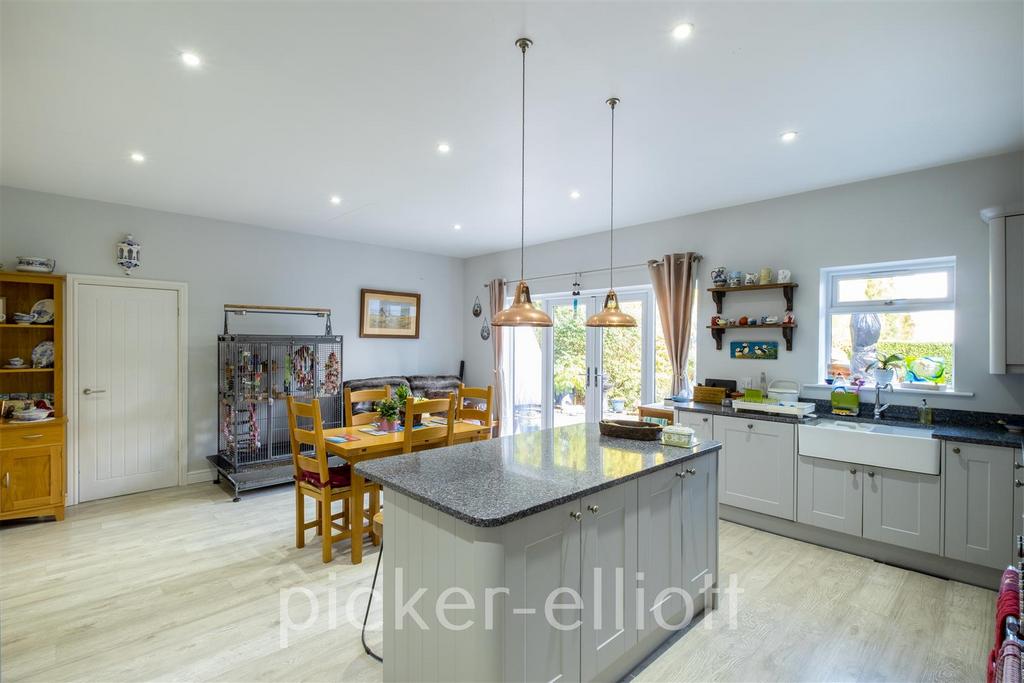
point(735, 278)
point(784, 276)
point(750, 278)
point(766, 276)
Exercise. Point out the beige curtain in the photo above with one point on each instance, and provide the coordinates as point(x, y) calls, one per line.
point(497, 288)
point(673, 279)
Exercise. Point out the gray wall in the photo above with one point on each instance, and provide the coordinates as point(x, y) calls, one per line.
point(234, 263)
point(933, 212)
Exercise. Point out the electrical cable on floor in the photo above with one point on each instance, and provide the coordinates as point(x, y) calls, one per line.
point(369, 601)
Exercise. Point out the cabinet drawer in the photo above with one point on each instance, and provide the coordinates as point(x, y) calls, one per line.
point(19, 437)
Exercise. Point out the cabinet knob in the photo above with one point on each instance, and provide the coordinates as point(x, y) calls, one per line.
point(750, 425)
point(576, 515)
point(593, 508)
point(853, 470)
point(957, 451)
point(691, 471)
point(1018, 483)
point(871, 474)
point(704, 419)
point(681, 475)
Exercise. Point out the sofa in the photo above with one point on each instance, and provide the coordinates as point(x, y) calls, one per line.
point(423, 386)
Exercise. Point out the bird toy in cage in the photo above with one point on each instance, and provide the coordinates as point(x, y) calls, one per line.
point(229, 418)
point(254, 427)
point(332, 375)
point(303, 367)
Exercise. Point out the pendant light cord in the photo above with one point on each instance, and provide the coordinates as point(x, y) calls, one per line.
point(522, 177)
point(611, 210)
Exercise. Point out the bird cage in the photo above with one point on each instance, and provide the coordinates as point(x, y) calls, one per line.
point(255, 376)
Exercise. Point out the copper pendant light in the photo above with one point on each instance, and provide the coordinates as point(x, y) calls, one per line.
point(522, 312)
point(611, 315)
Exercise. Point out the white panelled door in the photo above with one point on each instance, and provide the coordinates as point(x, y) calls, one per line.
point(127, 378)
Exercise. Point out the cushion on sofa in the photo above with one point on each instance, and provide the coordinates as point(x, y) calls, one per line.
point(433, 386)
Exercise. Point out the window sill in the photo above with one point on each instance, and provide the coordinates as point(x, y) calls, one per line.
point(901, 390)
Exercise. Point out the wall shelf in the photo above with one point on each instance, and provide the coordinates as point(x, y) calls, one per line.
point(718, 293)
point(22, 370)
point(718, 332)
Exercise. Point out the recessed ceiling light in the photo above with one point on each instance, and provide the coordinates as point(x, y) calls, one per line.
point(788, 136)
point(444, 147)
point(335, 199)
point(137, 157)
point(456, 227)
point(575, 194)
point(191, 59)
point(682, 31)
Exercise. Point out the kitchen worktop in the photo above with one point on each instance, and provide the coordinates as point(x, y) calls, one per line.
point(494, 482)
point(950, 425)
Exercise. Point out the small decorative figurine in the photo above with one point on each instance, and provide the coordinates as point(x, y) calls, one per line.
point(129, 254)
point(716, 321)
point(790, 318)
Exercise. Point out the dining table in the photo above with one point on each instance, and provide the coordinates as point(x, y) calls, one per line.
point(369, 446)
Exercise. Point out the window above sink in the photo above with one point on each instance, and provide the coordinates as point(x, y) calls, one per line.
point(873, 311)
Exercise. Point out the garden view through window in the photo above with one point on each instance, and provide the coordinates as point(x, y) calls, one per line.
point(903, 313)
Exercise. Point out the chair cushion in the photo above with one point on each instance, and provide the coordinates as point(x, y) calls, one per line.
point(340, 477)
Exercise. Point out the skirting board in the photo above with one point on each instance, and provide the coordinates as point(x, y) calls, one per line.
point(943, 567)
point(200, 476)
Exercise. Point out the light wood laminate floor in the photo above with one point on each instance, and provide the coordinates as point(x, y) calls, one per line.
point(183, 584)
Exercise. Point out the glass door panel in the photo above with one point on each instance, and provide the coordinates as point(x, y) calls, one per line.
point(570, 370)
point(622, 378)
point(524, 381)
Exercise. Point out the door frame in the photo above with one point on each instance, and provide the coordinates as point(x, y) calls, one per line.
point(71, 389)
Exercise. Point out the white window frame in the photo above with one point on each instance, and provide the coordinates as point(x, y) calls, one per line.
point(830, 305)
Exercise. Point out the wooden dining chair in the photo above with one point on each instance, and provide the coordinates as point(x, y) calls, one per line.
point(476, 394)
point(352, 398)
point(428, 436)
point(314, 478)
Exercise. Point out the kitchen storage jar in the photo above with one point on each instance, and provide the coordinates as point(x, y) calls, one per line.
point(676, 435)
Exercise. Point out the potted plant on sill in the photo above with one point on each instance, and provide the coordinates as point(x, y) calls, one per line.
point(387, 410)
point(884, 369)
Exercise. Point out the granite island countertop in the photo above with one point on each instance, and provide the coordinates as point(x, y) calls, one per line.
point(494, 482)
point(979, 428)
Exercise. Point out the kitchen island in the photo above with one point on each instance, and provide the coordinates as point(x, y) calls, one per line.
point(554, 555)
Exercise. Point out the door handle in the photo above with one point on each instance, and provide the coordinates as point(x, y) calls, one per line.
point(89, 392)
point(32, 436)
point(576, 515)
point(593, 508)
point(7, 480)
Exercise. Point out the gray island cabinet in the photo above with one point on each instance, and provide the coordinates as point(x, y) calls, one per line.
point(558, 555)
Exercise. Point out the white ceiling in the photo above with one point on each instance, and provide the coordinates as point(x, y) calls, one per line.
point(298, 101)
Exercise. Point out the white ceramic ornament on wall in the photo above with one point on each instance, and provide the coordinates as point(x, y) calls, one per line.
point(129, 254)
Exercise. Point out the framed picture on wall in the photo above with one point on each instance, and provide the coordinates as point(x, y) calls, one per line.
point(390, 315)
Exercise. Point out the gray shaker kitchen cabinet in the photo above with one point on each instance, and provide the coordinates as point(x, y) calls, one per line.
point(903, 508)
point(829, 494)
point(609, 571)
point(757, 467)
point(979, 505)
point(659, 545)
point(699, 527)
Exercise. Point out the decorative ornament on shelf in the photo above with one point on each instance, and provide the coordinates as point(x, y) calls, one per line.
point(129, 254)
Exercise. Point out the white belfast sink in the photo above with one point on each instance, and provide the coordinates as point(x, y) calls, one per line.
point(866, 443)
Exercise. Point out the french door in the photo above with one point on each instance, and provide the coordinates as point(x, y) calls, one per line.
point(571, 373)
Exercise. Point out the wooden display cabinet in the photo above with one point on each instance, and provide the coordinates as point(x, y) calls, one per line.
point(32, 469)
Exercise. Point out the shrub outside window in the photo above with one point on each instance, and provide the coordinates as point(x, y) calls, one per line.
point(904, 308)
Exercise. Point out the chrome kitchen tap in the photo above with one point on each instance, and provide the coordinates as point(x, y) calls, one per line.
point(879, 409)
